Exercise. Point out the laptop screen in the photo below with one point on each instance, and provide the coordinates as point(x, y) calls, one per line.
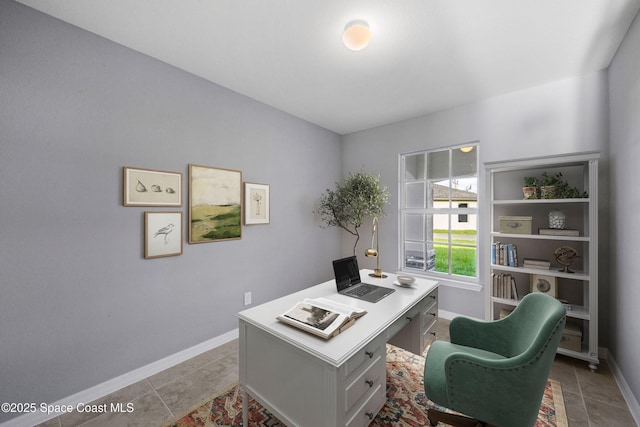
point(346, 272)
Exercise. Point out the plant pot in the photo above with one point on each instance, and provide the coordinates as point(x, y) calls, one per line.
point(546, 191)
point(530, 192)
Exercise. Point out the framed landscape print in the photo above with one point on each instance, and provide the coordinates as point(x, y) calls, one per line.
point(162, 234)
point(148, 187)
point(215, 204)
point(256, 203)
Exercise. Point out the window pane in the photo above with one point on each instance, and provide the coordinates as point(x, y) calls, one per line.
point(439, 230)
point(414, 167)
point(438, 165)
point(415, 195)
point(464, 164)
point(463, 260)
point(414, 255)
point(414, 227)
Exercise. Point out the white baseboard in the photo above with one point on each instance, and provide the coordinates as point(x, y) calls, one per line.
point(115, 384)
point(632, 402)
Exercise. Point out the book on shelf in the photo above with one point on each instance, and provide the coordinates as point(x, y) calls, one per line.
point(505, 254)
point(541, 264)
point(504, 286)
point(321, 316)
point(558, 232)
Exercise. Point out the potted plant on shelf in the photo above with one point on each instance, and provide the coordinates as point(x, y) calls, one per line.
point(530, 189)
point(556, 187)
point(549, 184)
point(358, 196)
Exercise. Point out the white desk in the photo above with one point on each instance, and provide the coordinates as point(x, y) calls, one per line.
point(307, 381)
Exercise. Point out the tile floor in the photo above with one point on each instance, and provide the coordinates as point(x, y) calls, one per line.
point(591, 399)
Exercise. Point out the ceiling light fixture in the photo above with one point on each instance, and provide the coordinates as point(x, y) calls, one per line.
point(357, 35)
point(466, 149)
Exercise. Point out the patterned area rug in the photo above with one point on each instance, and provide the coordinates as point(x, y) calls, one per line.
point(406, 402)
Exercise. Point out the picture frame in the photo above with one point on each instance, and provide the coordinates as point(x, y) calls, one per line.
point(257, 204)
point(150, 187)
point(215, 204)
point(162, 234)
point(544, 284)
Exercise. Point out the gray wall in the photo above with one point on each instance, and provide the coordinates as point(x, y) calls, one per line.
point(562, 117)
point(624, 82)
point(78, 303)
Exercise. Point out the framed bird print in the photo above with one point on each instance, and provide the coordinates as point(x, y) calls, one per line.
point(162, 234)
point(148, 187)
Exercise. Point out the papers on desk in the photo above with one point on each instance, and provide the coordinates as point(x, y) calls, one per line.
point(322, 317)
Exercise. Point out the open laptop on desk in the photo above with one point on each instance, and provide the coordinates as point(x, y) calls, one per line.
point(348, 281)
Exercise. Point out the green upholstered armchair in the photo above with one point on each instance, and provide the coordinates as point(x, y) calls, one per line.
point(495, 372)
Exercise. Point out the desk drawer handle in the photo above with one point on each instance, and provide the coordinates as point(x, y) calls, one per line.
point(370, 415)
point(433, 314)
point(369, 383)
point(369, 353)
point(409, 318)
point(433, 296)
point(433, 333)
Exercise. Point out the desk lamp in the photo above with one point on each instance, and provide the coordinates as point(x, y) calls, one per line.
point(374, 253)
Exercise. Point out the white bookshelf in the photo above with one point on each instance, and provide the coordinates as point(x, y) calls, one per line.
point(579, 290)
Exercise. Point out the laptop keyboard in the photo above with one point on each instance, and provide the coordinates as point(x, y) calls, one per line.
point(360, 290)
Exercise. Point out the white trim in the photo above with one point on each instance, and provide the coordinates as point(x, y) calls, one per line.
point(117, 383)
point(632, 402)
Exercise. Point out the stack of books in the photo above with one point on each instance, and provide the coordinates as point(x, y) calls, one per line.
point(541, 264)
point(504, 254)
point(558, 232)
point(504, 286)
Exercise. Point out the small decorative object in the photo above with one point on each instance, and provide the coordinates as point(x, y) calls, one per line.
point(162, 234)
point(556, 187)
point(557, 220)
point(215, 204)
point(530, 189)
point(544, 284)
point(359, 196)
point(148, 187)
point(375, 253)
point(565, 255)
point(406, 281)
point(256, 203)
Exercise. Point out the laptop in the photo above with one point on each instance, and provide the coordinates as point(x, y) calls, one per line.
point(348, 281)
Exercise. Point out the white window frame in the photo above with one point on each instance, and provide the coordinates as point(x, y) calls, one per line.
point(467, 282)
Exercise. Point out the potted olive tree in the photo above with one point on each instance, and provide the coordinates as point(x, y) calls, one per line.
point(357, 197)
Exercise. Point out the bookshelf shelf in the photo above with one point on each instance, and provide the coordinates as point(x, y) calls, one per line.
point(579, 289)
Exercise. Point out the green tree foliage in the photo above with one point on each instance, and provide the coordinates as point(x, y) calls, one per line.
point(357, 197)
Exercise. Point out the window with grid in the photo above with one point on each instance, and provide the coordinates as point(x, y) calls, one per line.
point(439, 212)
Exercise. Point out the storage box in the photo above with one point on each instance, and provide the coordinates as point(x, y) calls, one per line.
point(571, 338)
point(515, 224)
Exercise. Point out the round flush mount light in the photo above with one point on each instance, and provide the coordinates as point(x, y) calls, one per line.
point(357, 35)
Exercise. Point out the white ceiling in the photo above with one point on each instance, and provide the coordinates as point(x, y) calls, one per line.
point(425, 56)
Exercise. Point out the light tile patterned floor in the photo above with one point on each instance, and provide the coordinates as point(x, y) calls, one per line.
point(591, 399)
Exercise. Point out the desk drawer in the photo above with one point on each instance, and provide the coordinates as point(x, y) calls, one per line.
point(366, 382)
point(365, 357)
point(407, 318)
point(369, 409)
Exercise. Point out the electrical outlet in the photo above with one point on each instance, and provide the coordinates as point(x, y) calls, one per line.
point(247, 298)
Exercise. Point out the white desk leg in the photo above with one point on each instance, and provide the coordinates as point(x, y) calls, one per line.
point(245, 408)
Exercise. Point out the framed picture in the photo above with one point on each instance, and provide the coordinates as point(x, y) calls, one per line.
point(544, 284)
point(215, 204)
point(148, 187)
point(162, 234)
point(256, 203)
